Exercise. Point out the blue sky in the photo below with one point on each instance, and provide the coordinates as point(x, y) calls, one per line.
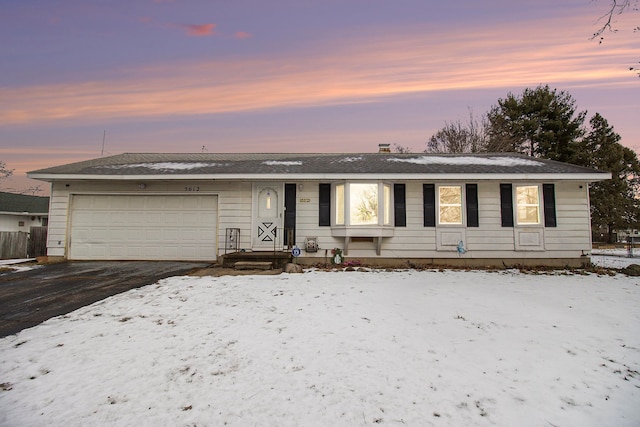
point(288, 76)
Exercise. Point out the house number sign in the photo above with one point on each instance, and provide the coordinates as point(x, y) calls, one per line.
point(195, 188)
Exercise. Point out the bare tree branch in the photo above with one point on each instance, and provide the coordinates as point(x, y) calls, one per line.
point(4, 172)
point(617, 7)
point(397, 148)
point(458, 137)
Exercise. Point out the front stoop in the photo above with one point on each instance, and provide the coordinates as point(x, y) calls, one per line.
point(253, 265)
point(277, 259)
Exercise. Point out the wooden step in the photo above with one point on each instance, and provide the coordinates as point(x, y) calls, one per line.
point(253, 265)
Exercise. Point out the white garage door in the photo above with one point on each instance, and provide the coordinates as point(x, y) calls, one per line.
point(158, 227)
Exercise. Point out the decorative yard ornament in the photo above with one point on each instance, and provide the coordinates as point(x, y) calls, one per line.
point(336, 256)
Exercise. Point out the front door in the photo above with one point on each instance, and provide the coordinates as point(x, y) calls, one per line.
point(267, 223)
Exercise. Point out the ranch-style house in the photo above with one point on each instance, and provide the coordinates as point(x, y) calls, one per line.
point(378, 208)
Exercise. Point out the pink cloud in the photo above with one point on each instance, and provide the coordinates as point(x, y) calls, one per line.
point(361, 70)
point(192, 30)
point(200, 30)
point(242, 35)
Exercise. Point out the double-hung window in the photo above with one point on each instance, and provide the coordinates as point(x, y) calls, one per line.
point(450, 204)
point(530, 208)
point(527, 204)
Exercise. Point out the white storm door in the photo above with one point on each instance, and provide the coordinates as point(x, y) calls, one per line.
point(267, 216)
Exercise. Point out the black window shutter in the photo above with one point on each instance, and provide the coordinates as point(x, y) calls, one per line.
point(399, 207)
point(429, 202)
point(549, 199)
point(290, 213)
point(472, 205)
point(325, 205)
point(506, 204)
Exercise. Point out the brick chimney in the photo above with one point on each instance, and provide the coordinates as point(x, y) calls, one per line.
point(384, 148)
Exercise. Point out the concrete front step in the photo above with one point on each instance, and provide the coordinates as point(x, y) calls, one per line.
point(278, 259)
point(253, 265)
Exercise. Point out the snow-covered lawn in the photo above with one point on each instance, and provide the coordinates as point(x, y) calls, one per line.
point(614, 258)
point(414, 348)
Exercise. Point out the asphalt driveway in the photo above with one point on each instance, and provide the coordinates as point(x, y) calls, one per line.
point(28, 298)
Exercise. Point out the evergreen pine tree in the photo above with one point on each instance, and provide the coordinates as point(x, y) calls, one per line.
point(614, 203)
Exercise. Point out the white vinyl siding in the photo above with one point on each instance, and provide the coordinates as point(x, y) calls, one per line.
point(490, 240)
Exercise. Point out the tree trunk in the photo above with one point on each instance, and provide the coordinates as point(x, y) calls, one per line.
point(610, 234)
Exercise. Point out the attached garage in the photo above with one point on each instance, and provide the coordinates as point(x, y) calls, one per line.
point(502, 209)
point(143, 227)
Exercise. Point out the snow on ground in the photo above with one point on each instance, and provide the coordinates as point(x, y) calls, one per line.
point(414, 348)
point(15, 265)
point(15, 261)
point(615, 258)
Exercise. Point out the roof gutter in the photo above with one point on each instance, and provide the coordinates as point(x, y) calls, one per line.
point(582, 177)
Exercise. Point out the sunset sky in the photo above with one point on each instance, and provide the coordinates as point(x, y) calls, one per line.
point(289, 75)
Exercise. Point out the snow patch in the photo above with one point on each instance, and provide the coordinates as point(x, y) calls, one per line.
point(615, 258)
point(282, 163)
point(350, 159)
point(165, 166)
point(337, 348)
point(468, 160)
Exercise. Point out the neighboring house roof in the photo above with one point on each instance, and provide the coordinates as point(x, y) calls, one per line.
point(22, 203)
point(318, 166)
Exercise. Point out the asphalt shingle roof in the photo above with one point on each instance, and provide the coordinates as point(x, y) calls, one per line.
point(10, 202)
point(313, 163)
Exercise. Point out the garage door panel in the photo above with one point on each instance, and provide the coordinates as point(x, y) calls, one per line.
point(172, 219)
point(193, 219)
point(83, 218)
point(209, 204)
point(143, 227)
point(154, 203)
point(172, 203)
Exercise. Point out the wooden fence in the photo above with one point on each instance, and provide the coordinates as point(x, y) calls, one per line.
point(37, 241)
point(13, 244)
point(18, 244)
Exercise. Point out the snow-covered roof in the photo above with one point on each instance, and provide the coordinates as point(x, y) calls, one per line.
point(317, 166)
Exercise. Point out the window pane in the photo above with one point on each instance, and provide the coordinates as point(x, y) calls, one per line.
point(340, 204)
point(450, 195)
point(527, 195)
point(450, 215)
point(450, 202)
point(267, 202)
point(528, 204)
point(363, 204)
point(527, 215)
point(387, 204)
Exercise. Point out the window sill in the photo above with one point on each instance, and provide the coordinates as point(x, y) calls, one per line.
point(363, 231)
